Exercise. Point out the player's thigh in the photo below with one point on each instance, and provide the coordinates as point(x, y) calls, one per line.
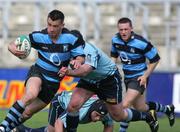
point(33, 87)
point(34, 107)
point(130, 97)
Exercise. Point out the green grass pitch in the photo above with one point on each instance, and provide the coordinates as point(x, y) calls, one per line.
point(40, 119)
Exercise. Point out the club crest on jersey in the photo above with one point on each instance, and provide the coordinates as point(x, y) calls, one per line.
point(65, 48)
point(54, 58)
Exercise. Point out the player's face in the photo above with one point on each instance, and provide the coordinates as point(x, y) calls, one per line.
point(125, 31)
point(95, 116)
point(54, 28)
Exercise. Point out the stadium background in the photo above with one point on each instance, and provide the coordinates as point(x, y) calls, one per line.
point(157, 20)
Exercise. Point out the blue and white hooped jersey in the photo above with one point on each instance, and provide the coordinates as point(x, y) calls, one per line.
point(52, 56)
point(102, 64)
point(64, 99)
point(133, 54)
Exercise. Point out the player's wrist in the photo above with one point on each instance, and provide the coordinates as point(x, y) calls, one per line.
point(67, 72)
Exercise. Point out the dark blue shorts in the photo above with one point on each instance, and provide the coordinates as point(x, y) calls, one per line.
point(48, 90)
point(133, 83)
point(108, 89)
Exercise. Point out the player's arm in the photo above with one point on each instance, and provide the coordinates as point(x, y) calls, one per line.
point(13, 48)
point(83, 70)
point(153, 58)
point(150, 69)
point(114, 53)
point(77, 62)
point(114, 59)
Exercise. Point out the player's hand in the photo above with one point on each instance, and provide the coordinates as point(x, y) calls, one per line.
point(75, 64)
point(143, 81)
point(62, 72)
point(14, 50)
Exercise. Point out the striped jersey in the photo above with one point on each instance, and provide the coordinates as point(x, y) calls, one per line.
point(133, 54)
point(52, 56)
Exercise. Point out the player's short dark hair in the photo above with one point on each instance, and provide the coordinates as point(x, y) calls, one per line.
point(79, 35)
point(99, 106)
point(56, 15)
point(125, 20)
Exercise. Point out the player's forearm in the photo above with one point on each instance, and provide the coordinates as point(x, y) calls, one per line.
point(150, 69)
point(80, 72)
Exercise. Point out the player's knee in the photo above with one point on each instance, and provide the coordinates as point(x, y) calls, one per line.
point(73, 107)
point(117, 117)
point(27, 99)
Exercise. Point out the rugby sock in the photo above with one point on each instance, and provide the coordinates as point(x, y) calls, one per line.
point(23, 128)
point(134, 115)
point(13, 118)
point(41, 129)
point(157, 107)
point(123, 126)
point(72, 121)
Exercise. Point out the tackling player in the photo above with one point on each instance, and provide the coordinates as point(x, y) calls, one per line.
point(93, 110)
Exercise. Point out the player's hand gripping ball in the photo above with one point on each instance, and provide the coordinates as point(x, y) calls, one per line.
point(23, 44)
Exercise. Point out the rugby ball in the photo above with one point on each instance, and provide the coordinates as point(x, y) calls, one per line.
point(23, 44)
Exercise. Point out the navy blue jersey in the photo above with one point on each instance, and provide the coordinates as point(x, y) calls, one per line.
point(52, 56)
point(133, 54)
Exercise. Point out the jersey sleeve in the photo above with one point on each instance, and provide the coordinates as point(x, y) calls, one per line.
point(77, 47)
point(92, 59)
point(77, 51)
point(114, 53)
point(36, 38)
point(151, 53)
